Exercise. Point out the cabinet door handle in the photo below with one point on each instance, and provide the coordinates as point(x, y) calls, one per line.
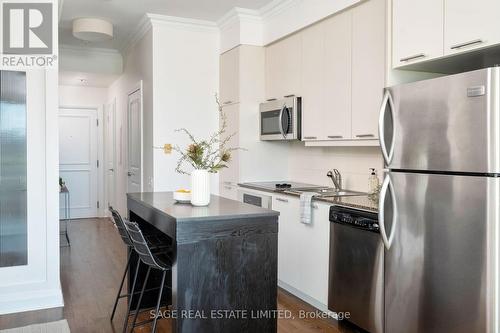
point(270, 99)
point(227, 102)
point(282, 200)
point(228, 187)
point(310, 137)
point(227, 183)
point(286, 96)
point(413, 57)
point(472, 42)
point(335, 137)
point(365, 136)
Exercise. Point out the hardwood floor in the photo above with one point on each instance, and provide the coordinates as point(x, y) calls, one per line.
point(90, 272)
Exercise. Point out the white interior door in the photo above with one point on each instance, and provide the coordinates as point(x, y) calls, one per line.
point(110, 152)
point(78, 160)
point(135, 141)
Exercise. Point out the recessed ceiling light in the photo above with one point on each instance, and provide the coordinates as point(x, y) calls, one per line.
point(92, 29)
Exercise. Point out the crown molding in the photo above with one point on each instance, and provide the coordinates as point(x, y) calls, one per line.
point(241, 14)
point(277, 7)
point(140, 31)
point(182, 22)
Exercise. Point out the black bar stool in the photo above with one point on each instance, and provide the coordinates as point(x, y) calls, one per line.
point(122, 230)
point(158, 261)
point(154, 243)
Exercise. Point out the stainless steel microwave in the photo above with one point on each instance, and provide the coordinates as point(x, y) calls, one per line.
point(280, 119)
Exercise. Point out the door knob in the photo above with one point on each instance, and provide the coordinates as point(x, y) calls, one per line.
point(112, 170)
point(130, 174)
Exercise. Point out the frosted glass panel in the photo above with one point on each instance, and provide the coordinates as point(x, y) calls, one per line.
point(13, 217)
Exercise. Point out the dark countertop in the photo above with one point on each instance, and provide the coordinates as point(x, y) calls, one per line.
point(360, 202)
point(218, 209)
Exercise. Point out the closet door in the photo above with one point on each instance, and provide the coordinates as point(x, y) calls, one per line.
point(13, 173)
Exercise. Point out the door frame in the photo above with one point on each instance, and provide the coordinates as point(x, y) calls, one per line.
point(100, 151)
point(137, 87)
point(106, 111)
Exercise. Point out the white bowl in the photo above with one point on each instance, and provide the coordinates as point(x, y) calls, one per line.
point(182, 197)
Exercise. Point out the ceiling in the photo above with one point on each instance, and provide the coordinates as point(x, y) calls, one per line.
point(126, 14)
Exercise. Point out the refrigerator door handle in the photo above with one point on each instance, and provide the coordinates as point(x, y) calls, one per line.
point(381, 129)
point(387, 185)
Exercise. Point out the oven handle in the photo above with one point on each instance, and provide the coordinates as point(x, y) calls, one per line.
point(281, 121)
point(387, 185)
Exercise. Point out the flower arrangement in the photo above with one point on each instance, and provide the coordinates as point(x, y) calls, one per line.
point(212, 154)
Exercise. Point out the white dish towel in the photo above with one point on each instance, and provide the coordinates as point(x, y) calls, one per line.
point(306, 207)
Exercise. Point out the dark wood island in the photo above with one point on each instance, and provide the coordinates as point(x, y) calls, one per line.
point(224, 274)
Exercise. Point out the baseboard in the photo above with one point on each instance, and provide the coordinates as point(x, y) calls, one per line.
point(308, 299)
point(31, 301)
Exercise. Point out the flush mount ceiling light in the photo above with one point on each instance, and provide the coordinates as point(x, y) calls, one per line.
point(92, 29)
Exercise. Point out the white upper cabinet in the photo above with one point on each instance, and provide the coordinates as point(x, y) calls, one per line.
point(471, 24)
point(283, 67)
point(326, 80)
point(313, 81)
point(229, 76)
point(417, 30)
point(337, 67)
point(368, 67)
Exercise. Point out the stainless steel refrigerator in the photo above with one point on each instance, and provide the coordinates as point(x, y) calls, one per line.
point(440, 204)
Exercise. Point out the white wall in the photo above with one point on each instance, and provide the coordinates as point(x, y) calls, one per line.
point(311, 164)
point(186, 78)
point(137, 67)
point(80, 96)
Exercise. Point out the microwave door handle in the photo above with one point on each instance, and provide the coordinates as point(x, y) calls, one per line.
point(281, 121)
point(288, 118)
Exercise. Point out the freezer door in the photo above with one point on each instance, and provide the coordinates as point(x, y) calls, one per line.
point(439, 269)
point(445, 124)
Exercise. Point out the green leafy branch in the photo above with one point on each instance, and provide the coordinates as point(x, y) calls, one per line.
point(212, 154)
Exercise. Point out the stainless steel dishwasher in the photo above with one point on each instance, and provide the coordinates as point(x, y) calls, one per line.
point(356, 279)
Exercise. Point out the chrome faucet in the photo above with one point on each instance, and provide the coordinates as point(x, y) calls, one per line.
point(336, 178)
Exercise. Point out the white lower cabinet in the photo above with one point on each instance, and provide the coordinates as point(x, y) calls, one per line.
point(288, 261)
point(315, 253)
point(303, 250)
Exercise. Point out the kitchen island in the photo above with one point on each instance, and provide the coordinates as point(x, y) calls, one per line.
point(224, 274)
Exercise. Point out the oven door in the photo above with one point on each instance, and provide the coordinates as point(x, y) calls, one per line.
point(252, 198)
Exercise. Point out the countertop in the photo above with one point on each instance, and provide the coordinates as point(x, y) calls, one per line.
point(218, 209)
point(363, 202)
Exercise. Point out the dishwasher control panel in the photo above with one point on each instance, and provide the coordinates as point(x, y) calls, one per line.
point(355, 218)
